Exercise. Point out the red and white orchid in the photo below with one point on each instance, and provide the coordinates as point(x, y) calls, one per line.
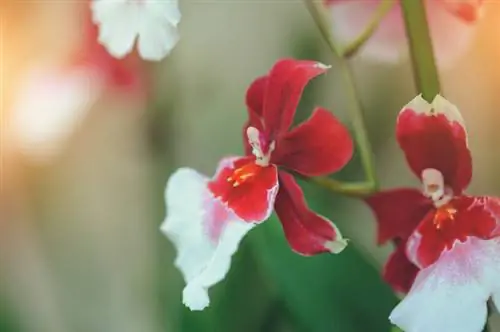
point(451, 24)
point(207, 218)
point(448, 250)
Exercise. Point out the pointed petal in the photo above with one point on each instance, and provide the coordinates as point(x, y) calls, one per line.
point(398, 212)
point(451, 294)
point(247, 189)
point(286, 82)
point(319, 146)
point(204, 233)
point(434, 136)
point(463, 217)
point(254, 101)
point(307, 232)
point(399, 272)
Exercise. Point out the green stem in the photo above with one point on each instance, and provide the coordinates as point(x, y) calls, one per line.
point(422, 54)
point(382, 9)
point(360, 133)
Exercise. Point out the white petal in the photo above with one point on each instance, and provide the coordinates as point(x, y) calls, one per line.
point(153, 22)
point(204, 233)
point(118, 23)
point(451, 294)
point(51, 104)
point(167, 10)
point(156, 39)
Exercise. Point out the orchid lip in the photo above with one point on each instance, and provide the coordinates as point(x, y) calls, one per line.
point(260, 149)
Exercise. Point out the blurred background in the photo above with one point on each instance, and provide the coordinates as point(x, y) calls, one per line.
point(81, 201)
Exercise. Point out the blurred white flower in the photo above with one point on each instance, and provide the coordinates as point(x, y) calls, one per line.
point(50, 105)
point(152, 22)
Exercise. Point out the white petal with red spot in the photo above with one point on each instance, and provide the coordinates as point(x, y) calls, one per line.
point(451, 294)
point(154, 23)
point(204, 233)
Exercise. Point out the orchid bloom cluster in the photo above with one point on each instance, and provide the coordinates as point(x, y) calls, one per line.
point(447, 253)
point(207, 218)
point(447, 243)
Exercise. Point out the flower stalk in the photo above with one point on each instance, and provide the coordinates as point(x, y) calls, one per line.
point(422, 55)
point(355, 110)
point(383, 8)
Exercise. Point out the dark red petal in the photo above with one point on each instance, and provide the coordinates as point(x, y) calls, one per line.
point(399, 272)
point(319, 146)
point(467, 10)
point(307, 232)
point(437, 140)
point(254, 101)
point(287, 80)
point(463, 217)
point(398, 212)
point(246, 188)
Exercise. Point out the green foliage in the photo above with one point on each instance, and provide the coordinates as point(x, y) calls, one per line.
point(327, 292)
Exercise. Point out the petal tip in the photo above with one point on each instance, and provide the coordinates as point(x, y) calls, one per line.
point(418, 105)
point(442, 106)
point(195, 298)
point(336, 246)
point(323, 66)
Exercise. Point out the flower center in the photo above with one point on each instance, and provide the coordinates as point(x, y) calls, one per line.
point(243, 174)
point(444, 215)
point(261, 149)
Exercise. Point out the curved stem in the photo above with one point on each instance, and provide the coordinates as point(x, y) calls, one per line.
point(422, 54)
point(381, 11)
point(355, 112)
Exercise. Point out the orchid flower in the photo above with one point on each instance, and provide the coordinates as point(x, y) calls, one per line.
point(207, 218)
point(152, 22)
point(448, 250)
point(451, 23)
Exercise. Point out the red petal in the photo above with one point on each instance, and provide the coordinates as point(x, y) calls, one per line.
point(246, 188)
point(467, 10)
point(254, 101)
point(398, 212)
point(306, 232)
point(399, 272)
point(433, 136)
point(463, 217)
point(287, 80)
point(319, 146)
